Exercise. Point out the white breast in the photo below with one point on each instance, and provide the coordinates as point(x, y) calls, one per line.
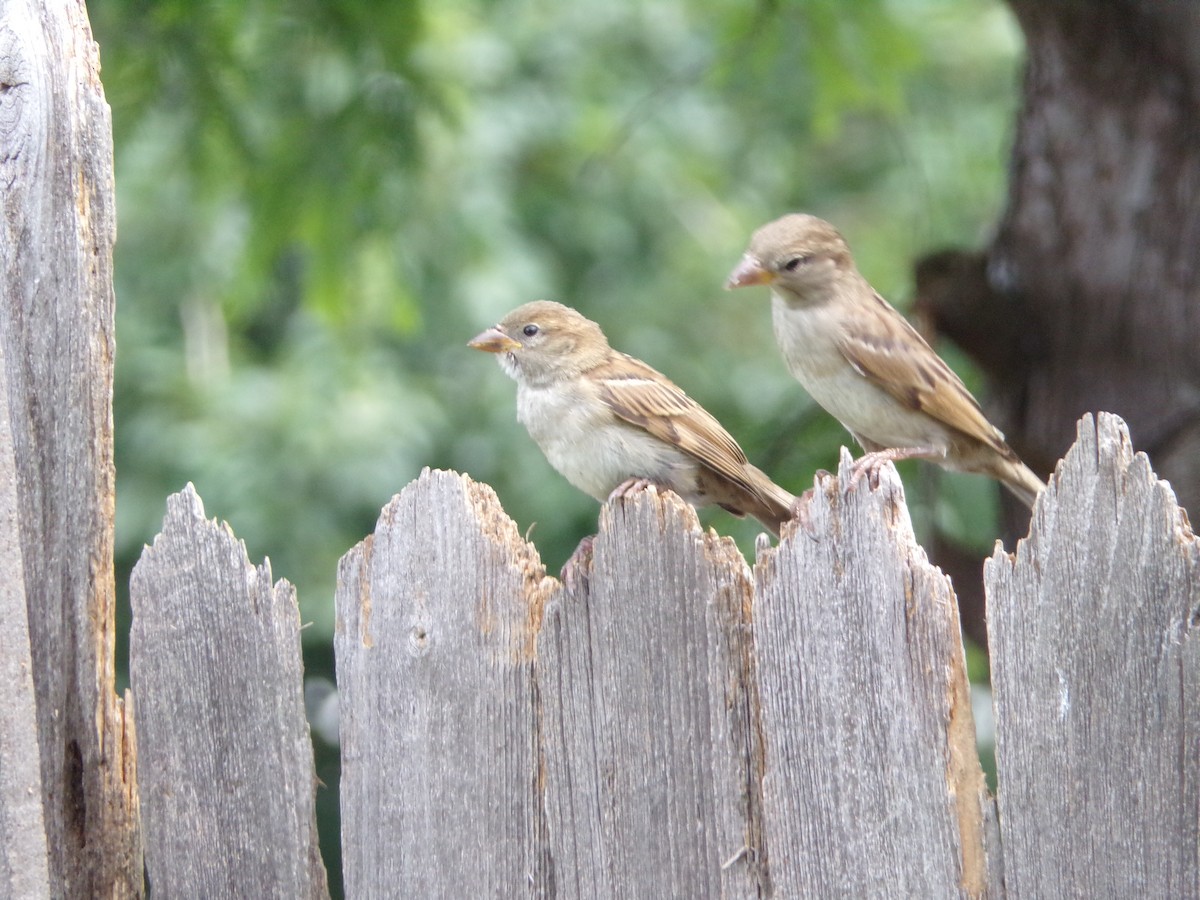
point(595, 451)
point(808, 337)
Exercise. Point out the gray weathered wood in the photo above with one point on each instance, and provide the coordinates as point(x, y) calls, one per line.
point(664, 725)
point(56, 325)
point(225, 763)
point(640, 735)
point(872, 786)
point(651, 730)
point(24, 864)
point(437, 615)
point(1096, 674)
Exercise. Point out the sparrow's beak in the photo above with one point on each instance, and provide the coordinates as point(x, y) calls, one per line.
point(493, 341)
point(748, 272)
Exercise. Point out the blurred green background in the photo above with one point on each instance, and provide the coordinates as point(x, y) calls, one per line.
point(320, 203)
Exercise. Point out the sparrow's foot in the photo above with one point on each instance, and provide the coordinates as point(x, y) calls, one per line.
point(869, 463)
point(866, 466)
point(629, 487)
point(578, 567)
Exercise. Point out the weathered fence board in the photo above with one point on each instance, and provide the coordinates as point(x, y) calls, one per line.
point(56, 325)
point(24, 868)
point(873, 786)
point(437, 615)
point(1096, 673)
point(650, 721)
point(225, 763)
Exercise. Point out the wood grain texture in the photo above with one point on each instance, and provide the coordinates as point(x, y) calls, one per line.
point(56, 325)
point(1096, 673)
point(226, 766)
point(437, 615)
point(651, 730)
point(24, 865)
point(872, 786)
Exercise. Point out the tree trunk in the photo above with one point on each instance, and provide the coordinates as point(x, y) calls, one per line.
point(1086, 299)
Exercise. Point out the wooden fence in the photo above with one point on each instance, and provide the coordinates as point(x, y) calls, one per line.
point(668, 723)
point(675, 724)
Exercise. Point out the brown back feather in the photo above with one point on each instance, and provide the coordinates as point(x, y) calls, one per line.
point(642, 396)
point(926, 384)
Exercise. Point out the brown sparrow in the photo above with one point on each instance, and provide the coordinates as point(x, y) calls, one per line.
point(861, 361)
point(611, 424)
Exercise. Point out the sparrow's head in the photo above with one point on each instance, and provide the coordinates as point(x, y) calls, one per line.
point(799, 253)
point(544, 341)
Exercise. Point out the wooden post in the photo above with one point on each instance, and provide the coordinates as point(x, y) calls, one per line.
point(225, 759)
point(1096, 672)
point(437, 614)
point(873, 785)
point(56, 328)
point(651, 728)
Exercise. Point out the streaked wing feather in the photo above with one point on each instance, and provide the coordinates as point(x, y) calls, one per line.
point(642, 396)
point(921, 382)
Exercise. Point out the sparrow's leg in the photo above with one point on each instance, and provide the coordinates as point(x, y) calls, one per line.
point(629, 487)
point(869, 463)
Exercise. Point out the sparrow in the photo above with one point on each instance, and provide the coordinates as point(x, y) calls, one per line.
point(612, 425)
point(861, 360)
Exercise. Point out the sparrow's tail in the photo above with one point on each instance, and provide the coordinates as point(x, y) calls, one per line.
point(766, 501)
point(1020, 479)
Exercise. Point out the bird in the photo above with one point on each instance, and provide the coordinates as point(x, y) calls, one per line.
point(864, 363)
point(612, 425)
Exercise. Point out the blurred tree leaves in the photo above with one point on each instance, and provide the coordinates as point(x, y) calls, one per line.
point(320, 202)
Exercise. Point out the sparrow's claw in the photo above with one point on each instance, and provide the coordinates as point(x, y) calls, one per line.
point(629, 487)
point(870, 463)
point(867, 466)
point(578, 567)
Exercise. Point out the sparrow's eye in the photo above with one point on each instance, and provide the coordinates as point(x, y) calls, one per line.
point(530, 330)
point(796, 262)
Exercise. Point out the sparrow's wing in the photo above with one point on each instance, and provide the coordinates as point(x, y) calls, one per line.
point(886, 349)
point(644, 397)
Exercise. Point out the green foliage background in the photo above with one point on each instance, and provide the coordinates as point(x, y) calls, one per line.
point(320, 203)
